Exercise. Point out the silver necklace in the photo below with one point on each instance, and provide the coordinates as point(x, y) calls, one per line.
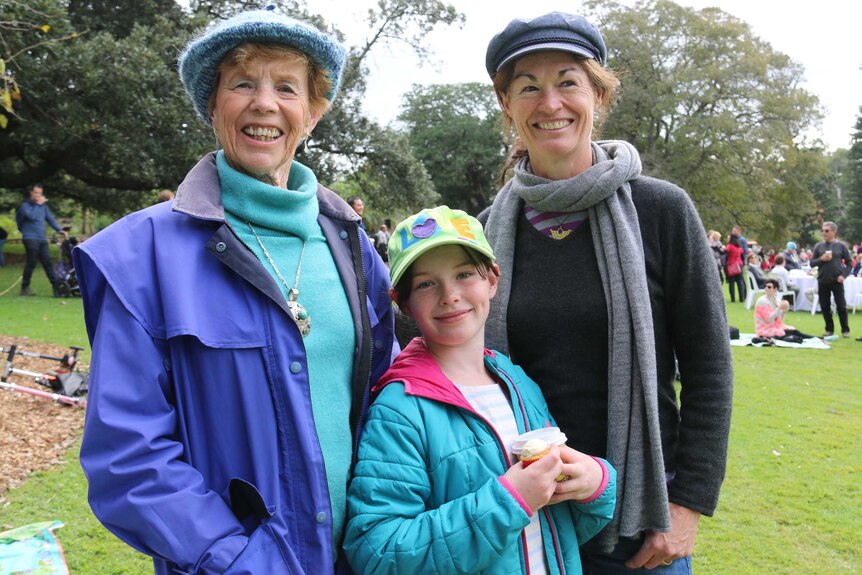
point(300, 314)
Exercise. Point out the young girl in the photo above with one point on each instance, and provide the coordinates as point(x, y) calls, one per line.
point(435, 488)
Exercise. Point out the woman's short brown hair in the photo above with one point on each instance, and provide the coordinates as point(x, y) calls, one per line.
point(319, 82)
point(604, 81)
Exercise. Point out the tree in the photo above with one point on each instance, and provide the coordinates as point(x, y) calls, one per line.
point(455, 130)
point(710, 107)
point(118, 18)
point(103, 114)
point(347, 145)
point(854, 184)
point(30, 24)
point(103, 119)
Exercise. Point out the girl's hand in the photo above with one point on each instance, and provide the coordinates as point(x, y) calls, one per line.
point(537, 482)
point(784, 305)
point(585, 476)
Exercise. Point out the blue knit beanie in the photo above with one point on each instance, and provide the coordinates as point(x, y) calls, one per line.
point(200, 60)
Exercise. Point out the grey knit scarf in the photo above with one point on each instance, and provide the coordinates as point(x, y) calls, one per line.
point(634, 439)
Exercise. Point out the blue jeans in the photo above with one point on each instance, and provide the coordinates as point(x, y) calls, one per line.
point(736, 281)
point(597, 563)
point(602, 565)
point(2, 260)
point(37, 252)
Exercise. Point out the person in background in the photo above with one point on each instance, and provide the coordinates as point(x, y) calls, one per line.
point(435, 490)
point(598, 334)
point(31, 217)
point(831, 258)
point(779, 271)
point(805, 260)
point(717, 248)
point(791, 257)
point(856, 271)
point(769, 261)
point(742, 242)
point(3, 236)
point(358, 206)
point(769, 312)
point(381, 242)
point(164, 196)
point(733, 268)
point(753, 267)
point(236, 331)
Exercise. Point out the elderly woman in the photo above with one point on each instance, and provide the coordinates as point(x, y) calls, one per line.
point(600, 336)
point(235, 330)
point(753, 267)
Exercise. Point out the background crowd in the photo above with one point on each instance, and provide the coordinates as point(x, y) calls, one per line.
point(746, 265)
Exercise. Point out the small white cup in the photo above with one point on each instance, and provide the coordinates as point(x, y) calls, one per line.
point(550, 435)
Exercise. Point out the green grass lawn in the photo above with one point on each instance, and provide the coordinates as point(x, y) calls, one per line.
point(40, 318)
point(789, 505)
point(791, 497)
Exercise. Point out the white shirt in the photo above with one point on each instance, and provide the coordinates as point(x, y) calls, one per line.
point(490, 402)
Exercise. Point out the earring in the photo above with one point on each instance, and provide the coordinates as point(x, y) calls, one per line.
point(305, 142)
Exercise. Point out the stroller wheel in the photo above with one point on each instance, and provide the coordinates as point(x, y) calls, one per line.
point(62, 289)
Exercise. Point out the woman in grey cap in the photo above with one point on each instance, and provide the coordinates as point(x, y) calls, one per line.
point(599, 334)
point(236, 329)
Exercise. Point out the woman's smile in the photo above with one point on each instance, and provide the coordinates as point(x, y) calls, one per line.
point(551, 103)
point(261, 114)
point(262, 134)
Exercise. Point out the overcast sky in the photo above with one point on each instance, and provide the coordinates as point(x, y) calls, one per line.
point(825, 39)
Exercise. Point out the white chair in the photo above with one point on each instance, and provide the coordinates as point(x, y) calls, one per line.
point(783, 290)
point(752, 289)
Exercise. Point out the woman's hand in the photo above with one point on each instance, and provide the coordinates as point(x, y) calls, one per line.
point(585, 476)
point(662, 548)
point(537, 482)
point(784, 305)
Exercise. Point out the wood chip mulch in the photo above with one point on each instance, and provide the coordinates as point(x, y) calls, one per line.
point(35, 432)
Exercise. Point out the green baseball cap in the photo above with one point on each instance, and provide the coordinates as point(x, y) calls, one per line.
point(431, 228)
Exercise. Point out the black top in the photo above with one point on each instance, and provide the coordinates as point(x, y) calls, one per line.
point(558, 332)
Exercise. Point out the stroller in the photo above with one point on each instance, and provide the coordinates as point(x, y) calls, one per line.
point(64, 270)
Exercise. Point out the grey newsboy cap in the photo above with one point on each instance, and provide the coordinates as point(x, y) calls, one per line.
point(200, 60)
point(552, 31)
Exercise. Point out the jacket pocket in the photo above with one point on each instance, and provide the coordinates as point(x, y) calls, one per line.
point(263, 553)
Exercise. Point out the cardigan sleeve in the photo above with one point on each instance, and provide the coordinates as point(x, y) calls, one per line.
point(691, 327)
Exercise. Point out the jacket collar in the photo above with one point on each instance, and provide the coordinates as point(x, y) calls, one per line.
point(199, 195)
point(418, 371)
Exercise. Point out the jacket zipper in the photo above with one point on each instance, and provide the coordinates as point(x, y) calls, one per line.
point(366, 340)
point(554, 538)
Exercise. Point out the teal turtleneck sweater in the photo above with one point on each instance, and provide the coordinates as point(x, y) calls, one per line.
point(284, 219)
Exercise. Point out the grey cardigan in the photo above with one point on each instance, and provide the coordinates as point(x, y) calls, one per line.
point(690, 327)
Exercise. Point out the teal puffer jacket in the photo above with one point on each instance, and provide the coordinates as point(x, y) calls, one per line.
point(427, 494)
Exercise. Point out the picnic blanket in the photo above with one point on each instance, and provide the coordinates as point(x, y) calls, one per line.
point(810, 343)
point(32, 550)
